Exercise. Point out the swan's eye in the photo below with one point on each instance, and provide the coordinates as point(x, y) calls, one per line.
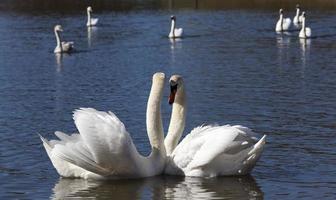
point(173, 87)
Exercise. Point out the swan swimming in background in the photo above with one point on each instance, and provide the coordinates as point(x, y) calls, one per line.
point(103, 149)
point(175, 32)
point(62, 47)
point(91, 21)
point(207, 151)
point(298, 18)
point(305, 32)
point(283, 24)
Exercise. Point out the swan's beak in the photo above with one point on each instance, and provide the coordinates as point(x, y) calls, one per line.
point(173, 89)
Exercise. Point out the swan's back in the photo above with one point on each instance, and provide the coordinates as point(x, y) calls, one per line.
point(285, 25)
point(92, 22)
point(67, 46)
point(307, 33)
point(212, 151)
point(178, 32)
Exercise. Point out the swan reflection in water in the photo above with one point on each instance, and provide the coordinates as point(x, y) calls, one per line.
point(59, 63)
point(59, 60)
point(91, 31)
point(160, 187)
point(305, 44)
point(175, 43)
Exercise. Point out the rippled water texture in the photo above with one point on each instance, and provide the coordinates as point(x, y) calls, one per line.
point(237, 71)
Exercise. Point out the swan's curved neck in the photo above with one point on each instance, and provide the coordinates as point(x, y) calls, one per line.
point(89, 17)
point(153, 117)
point(172, 28)
point(177, 121)
point(281, 21)
point(304, 25)
point(297, 12)
point(58, 39)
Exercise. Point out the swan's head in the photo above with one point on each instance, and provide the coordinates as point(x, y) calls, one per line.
point(58, 28)
point(281, 11)
point(89, 9)
point(173, 17)
point(159, 78)
point(303, 14)
point(297, 6)
point(176, 83)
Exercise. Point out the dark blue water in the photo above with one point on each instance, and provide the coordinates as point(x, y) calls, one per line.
point(237, 71)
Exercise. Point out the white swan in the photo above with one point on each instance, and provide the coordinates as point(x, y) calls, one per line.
point(61, 46)
point(91, 21)
point(305, 32)
point(208, 150)
point(104, 149)
point(298, 18)
point(283, 24)
point(174, 32)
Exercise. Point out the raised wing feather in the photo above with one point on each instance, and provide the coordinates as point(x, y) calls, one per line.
point(106, 138)
point(204, 144)
point(104, 146)
point(286, 23)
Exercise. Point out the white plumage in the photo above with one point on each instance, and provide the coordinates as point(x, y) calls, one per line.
point(62, 46)
point(298, 18)
point(305, 32)
point(104, 149)
point(208, 151)
point(283, 24)
point(175, 32)
point(91, 21)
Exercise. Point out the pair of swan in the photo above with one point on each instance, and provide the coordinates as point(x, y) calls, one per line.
point(284, 24)
point(305, 32)
point(174, 32)
point(104, 149)
point(65, 47)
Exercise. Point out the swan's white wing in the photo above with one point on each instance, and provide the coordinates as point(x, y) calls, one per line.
point(67, 46)
point(94, 21)
point(296, 20)
point(64, 168)
point(204, 144)
point(308, 32)
point(178, 32)
point(105, 148)
point(286, 23)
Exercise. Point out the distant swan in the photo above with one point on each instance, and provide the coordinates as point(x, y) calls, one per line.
point(175, 32)
point(91, 21)
point(104, 149)
point(283, 24)
point(305, 32)
point(61, 46)
point(298, 18)
point(207, 151)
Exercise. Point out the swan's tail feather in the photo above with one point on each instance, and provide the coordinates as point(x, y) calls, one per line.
point(46, 143)
point(71, 154)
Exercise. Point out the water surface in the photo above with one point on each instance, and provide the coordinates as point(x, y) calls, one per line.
point(237, 71)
